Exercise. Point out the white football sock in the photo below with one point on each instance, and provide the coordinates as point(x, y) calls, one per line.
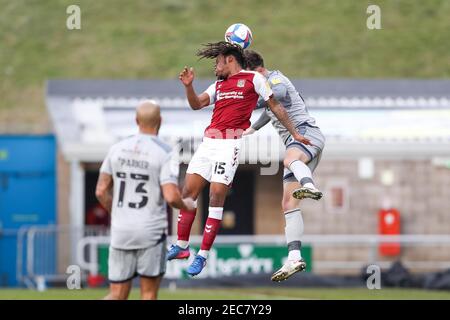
point(302, 173)
point(182, 244)
point(294, 231)
point(203, 253)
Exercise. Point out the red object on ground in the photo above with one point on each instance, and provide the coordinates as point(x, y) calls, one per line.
point(95, 281)
point(389, 224)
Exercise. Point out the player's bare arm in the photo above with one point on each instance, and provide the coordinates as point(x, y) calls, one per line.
point(195, 101)
point(103, 191)
point(261, 122)
point(282, 115)
point(172, 195)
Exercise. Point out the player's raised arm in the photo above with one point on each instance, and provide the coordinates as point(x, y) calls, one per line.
point(282, 115)
point(261, 122)
point(263, 89)
point(195, 101)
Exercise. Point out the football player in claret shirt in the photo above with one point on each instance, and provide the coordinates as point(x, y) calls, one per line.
point(234, 96)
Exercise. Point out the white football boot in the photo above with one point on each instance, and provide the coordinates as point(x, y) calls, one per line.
point(304, 192)
point(288, 269)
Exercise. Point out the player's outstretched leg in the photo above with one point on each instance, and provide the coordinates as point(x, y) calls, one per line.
point(304, 176)
point(194, 184)
point(293, 231)
point(180, 250)
point(212, 227)
point(295, 161)
point(218, 192)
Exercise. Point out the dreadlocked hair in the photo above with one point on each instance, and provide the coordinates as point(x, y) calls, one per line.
point(212, 50)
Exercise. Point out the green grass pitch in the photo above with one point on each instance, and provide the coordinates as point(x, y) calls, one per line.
point(235, 293)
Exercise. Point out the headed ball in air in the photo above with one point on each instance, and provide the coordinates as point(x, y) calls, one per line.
point(240, 34)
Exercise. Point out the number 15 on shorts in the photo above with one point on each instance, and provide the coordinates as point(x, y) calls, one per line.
point(219, 168)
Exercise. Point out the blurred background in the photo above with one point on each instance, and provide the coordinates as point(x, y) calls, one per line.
point(381, 97)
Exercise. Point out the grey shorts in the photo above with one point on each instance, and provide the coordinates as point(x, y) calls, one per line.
point(314, 152)
point(124, 265)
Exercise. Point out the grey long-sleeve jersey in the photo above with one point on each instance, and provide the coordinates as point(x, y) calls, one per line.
point(285, 92)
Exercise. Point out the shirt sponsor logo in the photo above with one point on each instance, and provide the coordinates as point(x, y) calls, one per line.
point(230, 95)
point(241, 83)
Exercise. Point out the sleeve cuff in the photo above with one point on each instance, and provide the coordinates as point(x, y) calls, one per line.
point(167, 181)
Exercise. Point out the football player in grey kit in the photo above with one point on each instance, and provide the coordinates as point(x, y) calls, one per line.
point(300, 160)
point(137, 175)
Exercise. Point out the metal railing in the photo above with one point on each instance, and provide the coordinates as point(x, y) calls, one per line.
point(46, 251)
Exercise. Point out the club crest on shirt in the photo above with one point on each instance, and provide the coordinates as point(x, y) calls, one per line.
point(241, 83)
